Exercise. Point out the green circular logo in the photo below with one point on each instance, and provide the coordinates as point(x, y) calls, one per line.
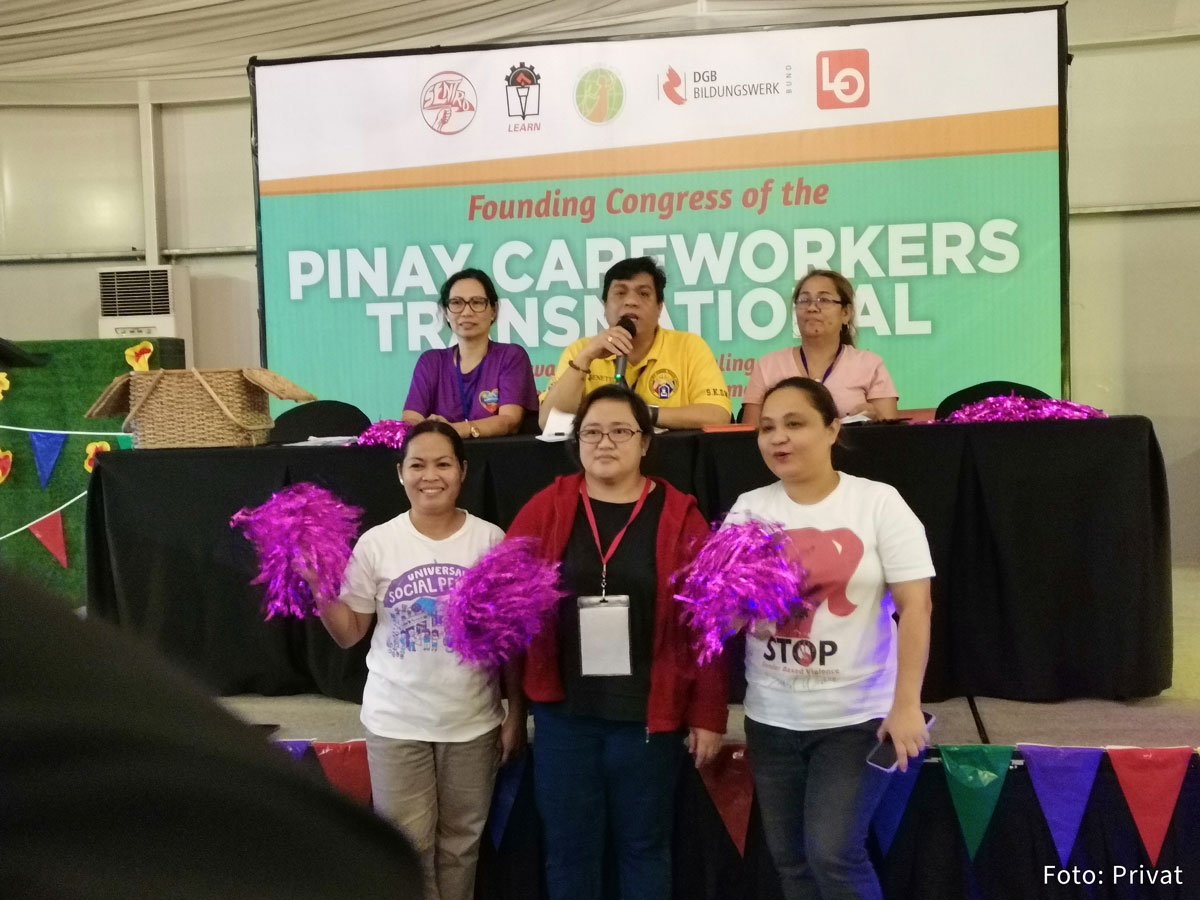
point(599, 96)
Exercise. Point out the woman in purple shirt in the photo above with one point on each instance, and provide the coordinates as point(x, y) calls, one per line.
point(480, 387)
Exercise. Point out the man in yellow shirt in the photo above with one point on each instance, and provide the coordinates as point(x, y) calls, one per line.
point(674, 371)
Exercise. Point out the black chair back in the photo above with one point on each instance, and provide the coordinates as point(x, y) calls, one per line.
point(320, 418)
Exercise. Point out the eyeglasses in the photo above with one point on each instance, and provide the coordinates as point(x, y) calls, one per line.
point(819, 302)
point(477, 304)
point(618, 435)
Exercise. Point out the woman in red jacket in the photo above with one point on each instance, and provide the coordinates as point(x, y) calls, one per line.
point(613, 677)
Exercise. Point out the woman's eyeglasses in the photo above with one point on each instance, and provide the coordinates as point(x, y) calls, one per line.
point(458, 304)
point(819, 302)
point(618, 435)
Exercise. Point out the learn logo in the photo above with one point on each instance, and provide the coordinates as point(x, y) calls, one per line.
point(448, 102)
point(673, 88)
point(663, 383)
point(843, 79)
point(524, 89)
point(599, 95)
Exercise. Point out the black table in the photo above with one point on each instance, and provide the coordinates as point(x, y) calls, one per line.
point(1050, 539)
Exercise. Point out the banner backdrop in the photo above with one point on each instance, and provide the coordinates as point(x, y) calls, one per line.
point(921, 158)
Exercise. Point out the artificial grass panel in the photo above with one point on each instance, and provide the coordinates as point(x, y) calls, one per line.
point(55, 397)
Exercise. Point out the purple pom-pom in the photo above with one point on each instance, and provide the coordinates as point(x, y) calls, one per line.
point(499, 605)
point(301, 527)
point(1023, 409)
point(744, 572)
point(388, 433)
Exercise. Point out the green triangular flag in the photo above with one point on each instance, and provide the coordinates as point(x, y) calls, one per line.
point(124, 441)
point(975, 775)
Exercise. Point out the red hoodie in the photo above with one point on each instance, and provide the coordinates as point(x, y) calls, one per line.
point(681, 692)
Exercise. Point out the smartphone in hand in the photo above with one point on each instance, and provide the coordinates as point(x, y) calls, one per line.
point(883, 757)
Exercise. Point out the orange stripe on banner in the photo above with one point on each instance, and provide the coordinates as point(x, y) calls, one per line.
point(1012, 131)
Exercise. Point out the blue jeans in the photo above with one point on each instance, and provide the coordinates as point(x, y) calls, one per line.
point(594, 778)
point(817, 795)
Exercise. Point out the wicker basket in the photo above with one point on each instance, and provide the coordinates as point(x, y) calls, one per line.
point(196, 408)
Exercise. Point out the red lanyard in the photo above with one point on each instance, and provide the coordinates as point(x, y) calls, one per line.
point(612, 548)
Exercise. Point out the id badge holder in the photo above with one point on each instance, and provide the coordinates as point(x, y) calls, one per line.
point(604, 635)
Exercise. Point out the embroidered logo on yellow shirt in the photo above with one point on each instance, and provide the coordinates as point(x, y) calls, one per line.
point(663, 383)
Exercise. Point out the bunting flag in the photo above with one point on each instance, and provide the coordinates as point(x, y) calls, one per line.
point(975, 776)
point(49, 531)
point(296, 748)
point(124, 441)
point(345, 765)
point(895, 799)
point(47, 447)
point(730, 785)
point(5, 464)
point(504, 795)
point(1062, 779)
point(1151, 780)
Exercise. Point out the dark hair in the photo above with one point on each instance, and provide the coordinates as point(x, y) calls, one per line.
point(432, 426)
point(488, 288)
point(845, 292)
point(641, 412)
point(818, 395)
point(638, 265)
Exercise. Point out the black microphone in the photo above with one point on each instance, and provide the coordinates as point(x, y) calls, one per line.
point(629, 325)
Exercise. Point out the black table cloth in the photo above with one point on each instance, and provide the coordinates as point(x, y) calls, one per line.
point(1050, 539)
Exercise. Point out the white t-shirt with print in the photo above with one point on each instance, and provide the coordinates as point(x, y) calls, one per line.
point(838, 666)
point(417, 687)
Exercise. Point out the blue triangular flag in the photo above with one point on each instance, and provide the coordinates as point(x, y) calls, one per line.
point(508, 780)
point(895, 799)
point(296, 748)
point(1062, 779)
point(47, 446)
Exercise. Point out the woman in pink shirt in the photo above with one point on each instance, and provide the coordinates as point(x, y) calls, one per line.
point(858, 379)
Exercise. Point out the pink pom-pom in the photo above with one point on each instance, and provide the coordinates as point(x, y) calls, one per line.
point(744, 572)
point(499, 605)
point(301, 527)
point(1023, 409)
point(388, 433)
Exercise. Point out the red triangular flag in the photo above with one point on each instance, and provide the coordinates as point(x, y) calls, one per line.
point(732, 790)
point(345, 766)
point(50, 532)
point(1151, 780)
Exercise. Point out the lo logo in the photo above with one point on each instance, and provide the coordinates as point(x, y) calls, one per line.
point(843, 79)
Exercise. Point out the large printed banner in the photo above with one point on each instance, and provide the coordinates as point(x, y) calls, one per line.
point(920, 158)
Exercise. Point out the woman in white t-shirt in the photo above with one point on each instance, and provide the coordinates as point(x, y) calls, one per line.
point(824, 687)
point(436, 729)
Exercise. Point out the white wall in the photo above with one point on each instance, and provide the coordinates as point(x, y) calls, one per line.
point(71, 181)
point(1133, 137)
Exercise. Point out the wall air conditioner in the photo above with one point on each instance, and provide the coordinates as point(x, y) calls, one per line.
point(140, 302)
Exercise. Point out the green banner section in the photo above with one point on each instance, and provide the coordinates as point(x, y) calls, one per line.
point(956, 262)
point(975, 776)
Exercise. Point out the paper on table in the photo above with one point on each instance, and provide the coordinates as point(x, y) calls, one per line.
point(330, 441)
point(558, 426)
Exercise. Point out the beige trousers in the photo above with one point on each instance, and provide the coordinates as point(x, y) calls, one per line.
point(438, 794)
